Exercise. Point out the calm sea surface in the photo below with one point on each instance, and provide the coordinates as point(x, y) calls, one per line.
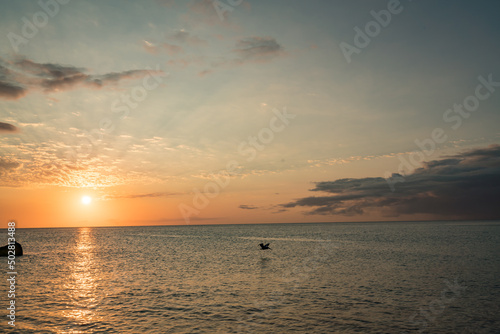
point(433, 277)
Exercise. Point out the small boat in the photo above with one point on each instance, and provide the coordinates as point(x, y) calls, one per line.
point(4, 250)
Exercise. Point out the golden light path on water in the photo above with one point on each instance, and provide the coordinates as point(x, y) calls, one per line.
point(82, 282)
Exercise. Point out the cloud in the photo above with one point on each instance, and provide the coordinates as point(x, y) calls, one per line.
point(169, 49)
point(173, 46)
point(167, 221)
point(248, 207)
point(149, 195)
point(9, 91)
point(347, 160)
point(21, 76)
point(248, 50)
point(6, 127)
point(463, 186)
point(6, 164)
point(181, 43)
point(44, 166)
point(258, 49)
point(7, 167)
point(184, 37)
point(150, 47)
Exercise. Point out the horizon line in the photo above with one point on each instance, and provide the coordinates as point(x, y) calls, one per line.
point(267, 223)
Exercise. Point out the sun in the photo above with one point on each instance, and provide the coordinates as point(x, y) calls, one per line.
point(86, 200)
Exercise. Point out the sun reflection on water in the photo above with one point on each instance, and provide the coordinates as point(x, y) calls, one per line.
point(82, 282)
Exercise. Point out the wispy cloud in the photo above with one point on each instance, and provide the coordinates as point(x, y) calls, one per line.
point(175, 43)
point(21, 76)
point(248, 207)
point(248, 50)
point(183, 36)
point(169, 221)
point(149, 195)
point(258, 49)
point(465, 186)
point(187, 49)
point(347, 160)
point(170, 49)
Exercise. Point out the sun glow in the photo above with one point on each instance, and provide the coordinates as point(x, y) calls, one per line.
point(86, 200)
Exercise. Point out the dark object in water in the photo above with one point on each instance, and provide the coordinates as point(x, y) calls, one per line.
point(266, 246)
point(4, 250)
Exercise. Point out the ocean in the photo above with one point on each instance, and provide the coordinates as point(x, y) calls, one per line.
point(407, 277)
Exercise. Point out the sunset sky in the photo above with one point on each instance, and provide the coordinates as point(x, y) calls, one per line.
point(200, 112)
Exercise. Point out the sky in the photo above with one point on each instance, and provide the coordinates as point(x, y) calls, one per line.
point(170, 112)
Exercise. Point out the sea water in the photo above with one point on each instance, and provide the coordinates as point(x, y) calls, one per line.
point(427, 277)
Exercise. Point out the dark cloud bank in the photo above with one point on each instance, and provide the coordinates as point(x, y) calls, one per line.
point(464, 186)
